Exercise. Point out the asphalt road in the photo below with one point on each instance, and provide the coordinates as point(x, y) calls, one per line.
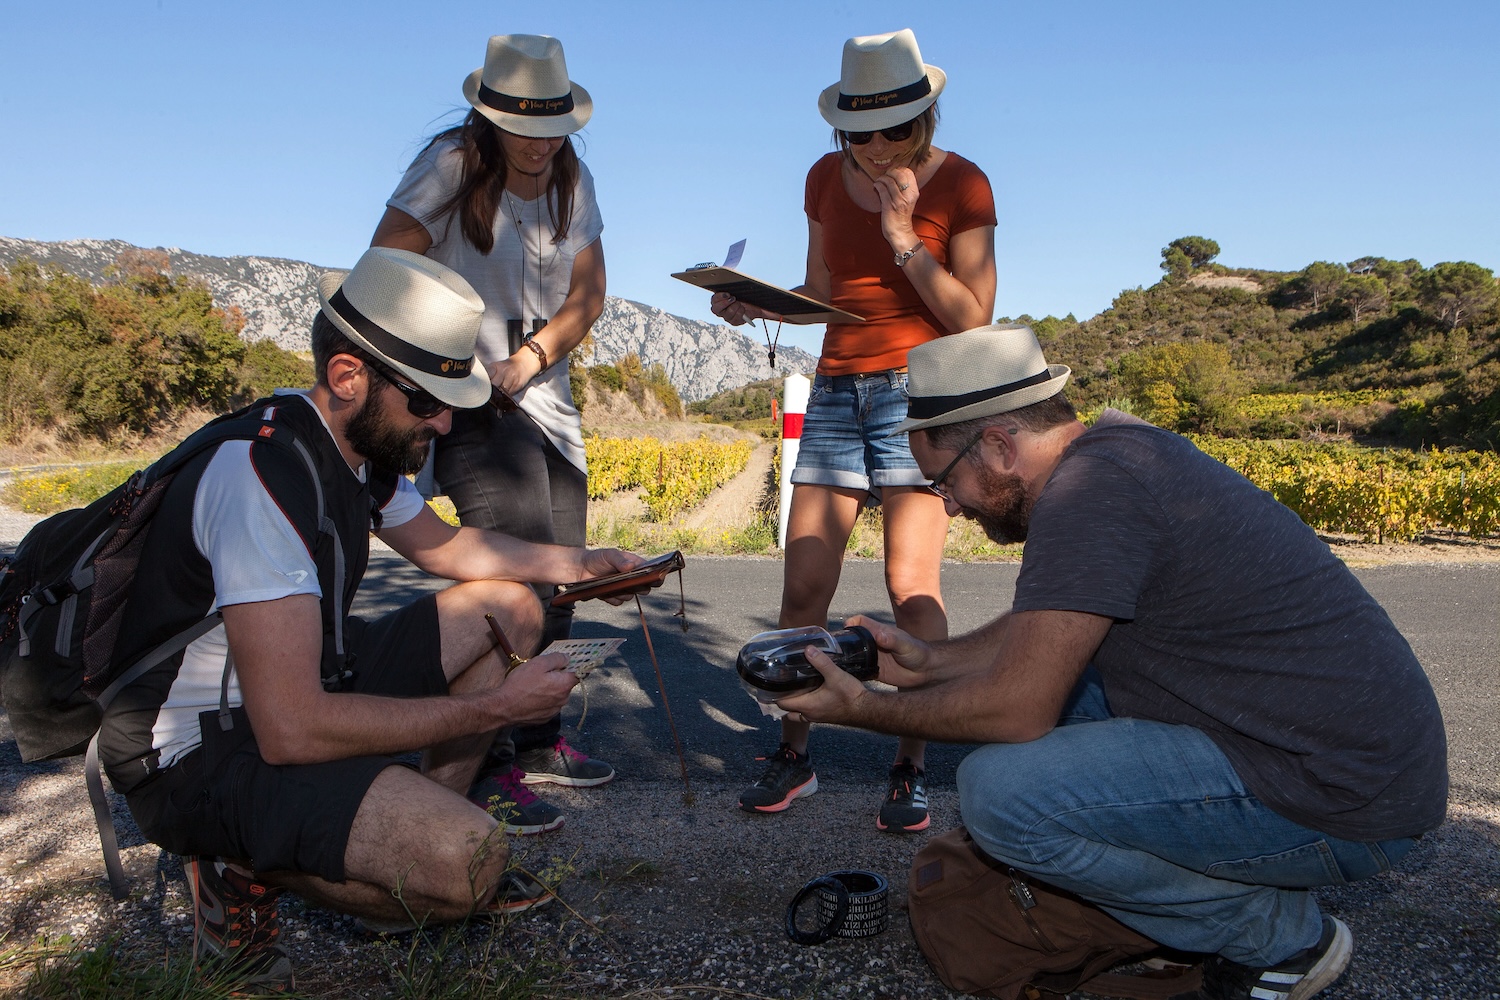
point(1450, 614)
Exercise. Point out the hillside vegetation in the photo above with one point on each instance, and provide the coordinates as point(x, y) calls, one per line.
point(1377, 350)
point(124, 358)
point(1384, 349)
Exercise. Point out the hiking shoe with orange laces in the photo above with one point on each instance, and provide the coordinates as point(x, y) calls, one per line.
point(235, 924)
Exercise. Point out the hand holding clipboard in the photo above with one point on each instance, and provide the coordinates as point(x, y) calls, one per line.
point(794, 307)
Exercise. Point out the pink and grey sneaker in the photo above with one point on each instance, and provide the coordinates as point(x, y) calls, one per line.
point(502, 794)
point(560, 764)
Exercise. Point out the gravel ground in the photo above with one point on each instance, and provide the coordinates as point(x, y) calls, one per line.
point(660, 899)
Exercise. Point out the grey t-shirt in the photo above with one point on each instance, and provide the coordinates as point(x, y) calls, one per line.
point(1233, 617)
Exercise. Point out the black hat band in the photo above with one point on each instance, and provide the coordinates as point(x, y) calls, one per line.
point(926, 407)
point(534, 107)
point(886, 99)
point(393, 347)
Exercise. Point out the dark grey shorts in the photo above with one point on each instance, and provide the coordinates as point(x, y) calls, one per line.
point(293, 817)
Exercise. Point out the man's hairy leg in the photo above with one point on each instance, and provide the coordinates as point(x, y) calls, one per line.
point(416, 850)
point(472, 663)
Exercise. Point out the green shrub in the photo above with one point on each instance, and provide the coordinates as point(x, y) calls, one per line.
point(128, 355)
point(608, 376)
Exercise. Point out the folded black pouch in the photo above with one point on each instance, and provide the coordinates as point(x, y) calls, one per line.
point(225, 732)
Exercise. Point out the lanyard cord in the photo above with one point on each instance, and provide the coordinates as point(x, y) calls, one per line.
point(771, 341)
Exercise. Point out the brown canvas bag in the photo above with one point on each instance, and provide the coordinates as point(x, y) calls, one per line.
point(992, 931)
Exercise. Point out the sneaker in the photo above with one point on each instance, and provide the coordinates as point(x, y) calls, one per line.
point(905, 807)
point(1303, 975)
point(562, 765)
point(788, 776)
point(501, 794)
point(235, 923)
point(516, 892)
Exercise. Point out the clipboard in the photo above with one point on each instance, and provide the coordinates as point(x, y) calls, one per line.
point(794, 306)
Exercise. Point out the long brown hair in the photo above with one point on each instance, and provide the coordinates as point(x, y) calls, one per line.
point(483, 179)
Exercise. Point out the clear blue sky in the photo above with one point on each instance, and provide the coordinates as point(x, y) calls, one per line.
point(1288, 131)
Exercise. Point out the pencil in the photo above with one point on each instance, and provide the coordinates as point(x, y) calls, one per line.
point(505, 647)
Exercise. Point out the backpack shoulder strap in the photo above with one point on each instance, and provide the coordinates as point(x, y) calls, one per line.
point(236, 427)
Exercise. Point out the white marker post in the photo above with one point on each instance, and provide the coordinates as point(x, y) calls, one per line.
point(795, 391)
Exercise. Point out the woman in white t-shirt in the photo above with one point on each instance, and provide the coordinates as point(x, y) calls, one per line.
point(504, 200)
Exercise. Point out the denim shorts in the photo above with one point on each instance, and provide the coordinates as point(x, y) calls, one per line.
point(848, 436)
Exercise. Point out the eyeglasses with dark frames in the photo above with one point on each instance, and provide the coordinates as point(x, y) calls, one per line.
point(419, 402)
point(896, 133)
point(936, 487)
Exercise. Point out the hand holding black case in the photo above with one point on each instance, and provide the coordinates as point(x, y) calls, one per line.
point(651, 573)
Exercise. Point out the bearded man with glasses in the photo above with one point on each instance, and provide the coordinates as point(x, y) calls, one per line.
point(1192, 712)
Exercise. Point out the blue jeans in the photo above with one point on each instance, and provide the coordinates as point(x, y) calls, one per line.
point(1149, 821)
point(503, 474)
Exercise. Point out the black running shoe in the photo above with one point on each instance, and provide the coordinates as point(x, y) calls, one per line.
point(905, 807)
point(788, 775)
point(235, 924)
point(1303, 975)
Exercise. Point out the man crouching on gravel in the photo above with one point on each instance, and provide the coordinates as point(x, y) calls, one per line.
point(1194, 711)
point(262, 752)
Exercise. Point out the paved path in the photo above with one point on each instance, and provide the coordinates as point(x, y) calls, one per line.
point(1450, 614)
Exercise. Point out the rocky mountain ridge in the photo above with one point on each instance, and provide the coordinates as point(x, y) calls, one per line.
point(279, 297)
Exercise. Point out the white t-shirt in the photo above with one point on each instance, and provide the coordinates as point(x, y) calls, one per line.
point(526, 276)
point(256, 555)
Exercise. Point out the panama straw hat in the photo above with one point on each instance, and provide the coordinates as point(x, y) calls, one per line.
point(417, 316)
point(977, 373)
point(523, 87)
point(884, 83)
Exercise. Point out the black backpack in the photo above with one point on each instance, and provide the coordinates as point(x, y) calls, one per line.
point(64, 594)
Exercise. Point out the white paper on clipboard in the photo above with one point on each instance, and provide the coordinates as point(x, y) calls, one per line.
point(794, 306)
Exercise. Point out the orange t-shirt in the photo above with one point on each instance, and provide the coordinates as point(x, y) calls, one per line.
point(864, 277)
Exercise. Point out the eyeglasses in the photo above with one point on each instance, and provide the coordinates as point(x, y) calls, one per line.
point(896, 133)
point(936, 486)
point(419, 402)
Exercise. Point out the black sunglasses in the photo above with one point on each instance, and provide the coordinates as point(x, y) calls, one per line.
point(896, 133)
point(936, 486)
point(419, 402)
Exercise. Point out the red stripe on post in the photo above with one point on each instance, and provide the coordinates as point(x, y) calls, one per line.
point(791, 425)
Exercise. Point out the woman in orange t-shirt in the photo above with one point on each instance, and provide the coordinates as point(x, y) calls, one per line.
point(901, 233)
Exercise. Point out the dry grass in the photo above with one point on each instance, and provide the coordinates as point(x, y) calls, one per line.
point(31, 446)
